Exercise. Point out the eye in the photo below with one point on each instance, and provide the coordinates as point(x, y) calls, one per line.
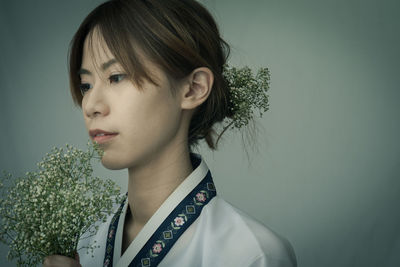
point(116, 78)
point(84, 87)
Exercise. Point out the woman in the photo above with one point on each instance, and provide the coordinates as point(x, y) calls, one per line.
point(148, 75)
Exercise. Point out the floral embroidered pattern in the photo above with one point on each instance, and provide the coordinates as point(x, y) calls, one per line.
point(179, 221)
point(111, 234)
point(157, 248)
point(201, 197)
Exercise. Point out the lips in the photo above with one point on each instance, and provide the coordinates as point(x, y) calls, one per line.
point(93, 133)
point(101, 139)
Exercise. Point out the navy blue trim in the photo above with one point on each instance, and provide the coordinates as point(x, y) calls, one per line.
point(112, 230)
point(162, 240)
point(169, 232)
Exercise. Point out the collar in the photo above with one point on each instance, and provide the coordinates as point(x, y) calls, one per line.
point(200, 170)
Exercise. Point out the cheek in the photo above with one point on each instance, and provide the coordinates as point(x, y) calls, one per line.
point(161, 118)
point(147, 127)
point(151, 118)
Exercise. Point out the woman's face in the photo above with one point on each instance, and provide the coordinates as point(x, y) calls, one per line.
point(147, 121)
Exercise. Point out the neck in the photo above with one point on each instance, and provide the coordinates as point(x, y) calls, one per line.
point(149, 186)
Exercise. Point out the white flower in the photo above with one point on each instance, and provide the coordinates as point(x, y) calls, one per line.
point(44, 212)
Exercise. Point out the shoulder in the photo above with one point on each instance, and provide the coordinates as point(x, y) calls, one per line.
point(263, 246)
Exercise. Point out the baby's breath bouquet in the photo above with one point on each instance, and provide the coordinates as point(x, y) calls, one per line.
point(47, 211)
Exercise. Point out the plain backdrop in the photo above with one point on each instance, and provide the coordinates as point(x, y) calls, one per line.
point(327, 171)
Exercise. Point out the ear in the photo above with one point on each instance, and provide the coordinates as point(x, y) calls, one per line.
point(197, 88)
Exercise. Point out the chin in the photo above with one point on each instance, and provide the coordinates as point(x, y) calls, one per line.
point(112, 164)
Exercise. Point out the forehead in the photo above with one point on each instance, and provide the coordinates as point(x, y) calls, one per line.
point(95, 50)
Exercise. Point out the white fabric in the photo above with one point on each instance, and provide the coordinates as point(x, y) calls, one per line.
point(221, 236)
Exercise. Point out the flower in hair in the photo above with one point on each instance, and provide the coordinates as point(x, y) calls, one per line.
point(248, 93)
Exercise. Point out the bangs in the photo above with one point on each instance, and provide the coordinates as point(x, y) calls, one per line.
point(113, 35)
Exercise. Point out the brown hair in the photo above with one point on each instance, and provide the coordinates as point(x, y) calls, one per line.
point(176, 35)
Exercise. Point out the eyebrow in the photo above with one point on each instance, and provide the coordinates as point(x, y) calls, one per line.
point(104, 66)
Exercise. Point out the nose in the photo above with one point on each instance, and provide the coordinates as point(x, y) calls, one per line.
point(94, 103)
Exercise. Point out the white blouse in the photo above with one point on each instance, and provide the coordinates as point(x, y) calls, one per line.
point(193, 227)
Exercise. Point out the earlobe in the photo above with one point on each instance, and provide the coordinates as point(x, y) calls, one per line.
point(198, 89)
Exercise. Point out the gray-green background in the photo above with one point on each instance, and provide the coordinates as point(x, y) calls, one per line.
point(328, 168)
